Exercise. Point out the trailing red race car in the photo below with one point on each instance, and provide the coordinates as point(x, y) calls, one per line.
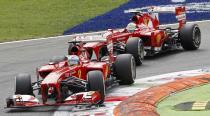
point(144, 35)
point(75, 79)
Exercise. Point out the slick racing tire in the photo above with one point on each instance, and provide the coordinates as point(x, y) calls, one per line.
point(96, 83)
point(125, 69)
point(190, 36)
point(135, 47)
point(23, 84)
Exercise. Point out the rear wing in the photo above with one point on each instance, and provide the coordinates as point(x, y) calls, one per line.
point(179, 11)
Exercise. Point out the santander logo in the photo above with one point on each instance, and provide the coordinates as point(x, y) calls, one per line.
point(178, 1)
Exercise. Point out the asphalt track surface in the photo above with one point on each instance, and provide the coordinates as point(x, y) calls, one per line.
point(26, 56)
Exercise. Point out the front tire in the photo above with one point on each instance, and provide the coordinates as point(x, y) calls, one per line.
point(23, 84)
point(190, 36)
point(125, 69)
point(135, 47)
point(96, 83)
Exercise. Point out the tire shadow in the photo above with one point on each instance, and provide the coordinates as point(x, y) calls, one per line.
point(164, 54)
point(173, 52)
point(51, 109)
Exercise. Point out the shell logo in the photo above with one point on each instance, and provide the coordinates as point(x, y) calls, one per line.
point(79, 73)
point(145, 21)
point(158, 38)
point(107, 70)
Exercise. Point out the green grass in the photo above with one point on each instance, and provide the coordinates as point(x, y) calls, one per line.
point(25, 19)
point(202, 93)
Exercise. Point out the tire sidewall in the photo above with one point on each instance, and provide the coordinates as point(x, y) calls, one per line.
point(125, 69)
point(135, 47)
point(96, 82)
point(188, 36)
point(23, 84)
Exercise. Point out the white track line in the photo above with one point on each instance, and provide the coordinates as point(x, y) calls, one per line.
point(56, 37)
point(91, 33)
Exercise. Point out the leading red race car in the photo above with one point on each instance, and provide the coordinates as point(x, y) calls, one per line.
point(77, 78)
point(144, 36)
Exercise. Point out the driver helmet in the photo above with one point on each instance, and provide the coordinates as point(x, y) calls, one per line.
point(131, 27)
point(72, 60)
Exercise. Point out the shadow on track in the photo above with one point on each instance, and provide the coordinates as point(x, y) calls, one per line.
point(163, 54)
point(52, 109)
point(171, 53)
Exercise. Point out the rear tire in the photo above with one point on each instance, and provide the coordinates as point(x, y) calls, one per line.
point(135, 47)
point(96, 83)
point(23, 84)
point(125, 69)
point(190, 36)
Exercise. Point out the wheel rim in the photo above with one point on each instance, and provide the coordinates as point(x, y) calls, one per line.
point(133, 67)
point(196, 37)
point(140, 51)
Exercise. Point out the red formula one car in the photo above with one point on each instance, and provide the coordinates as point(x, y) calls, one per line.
point(143, 36)
point(78, 78)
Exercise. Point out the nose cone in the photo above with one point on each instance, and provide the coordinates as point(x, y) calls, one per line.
point(51, 78)
point(55, 76)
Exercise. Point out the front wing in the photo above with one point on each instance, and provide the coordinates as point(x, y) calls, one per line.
point(28, 101)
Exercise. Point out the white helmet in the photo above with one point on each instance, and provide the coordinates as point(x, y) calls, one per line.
point(131, 27)
point(72, 59)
